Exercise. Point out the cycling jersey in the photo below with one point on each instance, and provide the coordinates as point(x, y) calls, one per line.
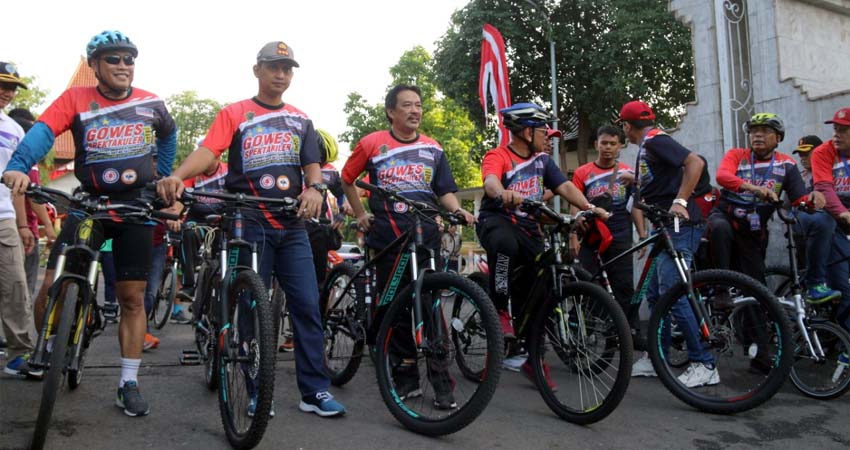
point(779, 173)
point(528, 176)
point(331, 178)
point(416, 169)
point(660, 168)
point(593, 181)
point(202, 183)
point(268, 145)
point(114, 139)
point(831, 175)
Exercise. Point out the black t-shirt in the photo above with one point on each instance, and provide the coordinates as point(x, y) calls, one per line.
point(660, 169)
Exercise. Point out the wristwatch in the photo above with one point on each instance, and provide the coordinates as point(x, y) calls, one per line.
point(681, 201)
point(589, 206)
point(321, 187)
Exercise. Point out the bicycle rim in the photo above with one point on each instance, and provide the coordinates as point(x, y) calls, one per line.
point(164, 300)
point(247, 358)
point(424, 388)
point(750, 343)
point(826, 373)
point(344, 336)
point(581, 353)
point(58, 361)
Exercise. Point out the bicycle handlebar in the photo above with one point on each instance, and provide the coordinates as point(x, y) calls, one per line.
point(562, 219)
point(417, 206)
point(101, 203)
point(287, 204)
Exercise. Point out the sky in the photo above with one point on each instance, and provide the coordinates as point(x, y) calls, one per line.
point(341, 46)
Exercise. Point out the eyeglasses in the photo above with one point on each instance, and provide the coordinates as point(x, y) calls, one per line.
point(129, 60)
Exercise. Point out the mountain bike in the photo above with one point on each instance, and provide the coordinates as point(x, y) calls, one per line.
point(821, 346)
point(579, 343)
point(166, 292)
point(72, 317)
point(726, 333)
point(234, 323)
point(410, 330)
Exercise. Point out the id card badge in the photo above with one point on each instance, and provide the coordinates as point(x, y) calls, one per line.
point(755, 221)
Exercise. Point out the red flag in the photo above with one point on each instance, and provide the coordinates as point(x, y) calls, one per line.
point(493, 77)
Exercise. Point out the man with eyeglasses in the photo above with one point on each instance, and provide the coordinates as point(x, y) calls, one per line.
point(16, 239)
point(116, 129)
point(831, 174)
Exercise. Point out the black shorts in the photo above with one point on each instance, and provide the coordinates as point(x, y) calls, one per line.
point(132, 246)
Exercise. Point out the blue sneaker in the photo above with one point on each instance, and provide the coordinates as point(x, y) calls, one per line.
point(130, 400)
point(20, 367)
point(252, 407)
point(821, 293)
point(321, 403)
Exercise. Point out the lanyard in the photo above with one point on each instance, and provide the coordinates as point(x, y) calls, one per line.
point(752, 162)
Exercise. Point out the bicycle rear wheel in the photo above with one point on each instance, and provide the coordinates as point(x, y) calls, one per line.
point(343, 325)
point(204, 324)
point(827, 376)
point(163, 302)
point(588, 342)
point(750, 343)
point(247, 360)
point(59, 357)
point(424, 388)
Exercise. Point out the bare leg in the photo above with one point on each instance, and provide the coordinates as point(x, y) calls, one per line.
point(131, 329)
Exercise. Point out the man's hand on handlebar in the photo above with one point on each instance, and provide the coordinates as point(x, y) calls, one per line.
point(816, 200)
point(364, 222)
point(467, 216)
point(17, 182)
point(680, 211)
point(510, 198)
point(170, 189)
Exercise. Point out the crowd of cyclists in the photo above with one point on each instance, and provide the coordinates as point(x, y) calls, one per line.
point(126, 140)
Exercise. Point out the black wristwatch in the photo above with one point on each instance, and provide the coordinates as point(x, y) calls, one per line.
point(321, 187)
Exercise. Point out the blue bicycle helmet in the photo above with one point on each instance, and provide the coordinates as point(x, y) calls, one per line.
point(110, 40)
point(525, 115)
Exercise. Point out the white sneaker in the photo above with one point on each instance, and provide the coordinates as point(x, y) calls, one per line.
point(643, 368)
point(698, 374)
point(514, 362)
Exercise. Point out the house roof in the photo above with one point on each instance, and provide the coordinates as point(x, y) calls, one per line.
point(83, 76)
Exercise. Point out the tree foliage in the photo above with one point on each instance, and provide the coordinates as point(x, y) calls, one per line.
point(607, 53)
point(442, 118)
point(31, 98)
point(193, 116)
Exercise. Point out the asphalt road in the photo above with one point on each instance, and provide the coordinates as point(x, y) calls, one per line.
point(185, 415)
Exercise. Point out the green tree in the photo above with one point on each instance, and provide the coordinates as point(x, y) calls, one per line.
point(193, 116)
point(607, 53)
point(442, 119)
point(31, 98)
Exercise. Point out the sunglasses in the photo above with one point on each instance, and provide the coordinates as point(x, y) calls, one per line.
point(129, 60)
point(8, 86)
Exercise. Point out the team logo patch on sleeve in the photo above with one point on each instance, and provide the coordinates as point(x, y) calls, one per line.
point(400, 207)
point(129, 176)
point(283, 183)
point(266, 181)
point(144, 112)
point(110, 176)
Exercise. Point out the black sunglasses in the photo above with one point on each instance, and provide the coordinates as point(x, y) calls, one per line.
point(129, 60)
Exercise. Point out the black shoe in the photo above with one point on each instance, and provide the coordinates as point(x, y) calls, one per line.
point(760, 365)
point(110, 312)
point(407, 382)
point(3, 343)
point(130, 399)
point(443, 387)
point(186, 293)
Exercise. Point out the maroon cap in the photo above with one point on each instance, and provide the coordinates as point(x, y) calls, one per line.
point(553, 133)
point(841, 117)
point(636, 110)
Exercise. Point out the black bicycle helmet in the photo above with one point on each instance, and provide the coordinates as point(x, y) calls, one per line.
point(110, 40)
point(525, 115)
point(769, 120)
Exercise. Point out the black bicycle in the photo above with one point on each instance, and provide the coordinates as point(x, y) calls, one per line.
point(166, 291)
point(738, 323)
point(72, 316)
point(234, 323)
point(411, 330)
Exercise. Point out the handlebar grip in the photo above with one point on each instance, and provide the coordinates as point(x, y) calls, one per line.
point(165, 215)
point(364, 185)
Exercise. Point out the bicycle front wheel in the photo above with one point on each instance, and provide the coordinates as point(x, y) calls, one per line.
point(163, 302)
point(749, 351)
point(422, 385)
point(203, 321)
point(825, 374)
point(59, 357)
point(343, 324)
point(581, 353)
point(247, 360)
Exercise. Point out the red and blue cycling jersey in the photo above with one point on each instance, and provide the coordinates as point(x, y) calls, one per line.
point(594, 181)
point(831, 176)
point(527, 176)
point(214, 183)
point(415, 169)
point(268, 146)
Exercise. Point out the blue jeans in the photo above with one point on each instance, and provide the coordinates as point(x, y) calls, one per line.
point(686, 241)
point(817, 229)
point(838, 271)
point(287, 255)
point(155, 276)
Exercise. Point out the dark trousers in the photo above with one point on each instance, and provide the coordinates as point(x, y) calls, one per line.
point(734, 246)
point(621, 276)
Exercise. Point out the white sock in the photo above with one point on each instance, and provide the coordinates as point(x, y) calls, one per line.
point(129, 370)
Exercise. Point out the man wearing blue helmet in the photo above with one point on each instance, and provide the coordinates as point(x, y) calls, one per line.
point(117, 129)
point(511, 174)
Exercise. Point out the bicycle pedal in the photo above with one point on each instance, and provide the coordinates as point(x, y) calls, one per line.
point(190, 358)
